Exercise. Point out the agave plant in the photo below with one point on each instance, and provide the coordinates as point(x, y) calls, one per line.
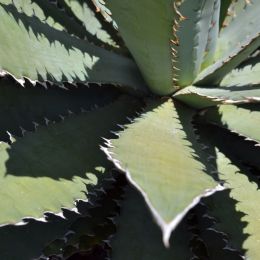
point(164, 92)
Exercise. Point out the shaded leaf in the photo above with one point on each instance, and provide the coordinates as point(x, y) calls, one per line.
point(29, 239)
point(49, 169)
point(239, 119)
point(22, 108)
point(248, 74)
point(82, 11)
point(138, 237)
point(43, 53)
point(247, 196)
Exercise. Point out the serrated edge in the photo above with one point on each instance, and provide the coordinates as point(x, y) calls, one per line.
point(166, 228)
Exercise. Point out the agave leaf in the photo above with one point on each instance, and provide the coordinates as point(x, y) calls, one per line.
point(49, 169)
point(166, 170)
point(149, 41)
point(139, 238)
point(246, 16)
point(60, 16)
point(31, 8)
point(212, 34)
point(82, 11)
point(247, 74)
point(236, 208)
point(201, 97)
point(241, 150)
point(247, 195)
point(214, 73)
point(43, 53)
point(30, 105)
point(236, 118)
point(49, 13)
point(231, 9)
point(193, 98)
point(53, 230)
point(187, 25)
point(196, 34)
point(234, 44)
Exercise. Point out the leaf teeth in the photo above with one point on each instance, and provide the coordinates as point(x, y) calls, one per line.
point(168, 228)
point(96, 225)
point(113, 148)
point(174, 43)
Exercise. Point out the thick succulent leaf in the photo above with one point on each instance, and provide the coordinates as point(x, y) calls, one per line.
point(49, 169)
point(146, 28)
point(236, 209)
point(66, 15)
point(212, 34)
point(246, 16)
point(236, 118)
point(234, 44)
point(54, 230)
point(248, 74)
point(231, 9)
point(159, 154)
point(213, 74)
point(48, 12)
point(201, 97)
point(247, 195)
point(30, 105)
point(38, 8)
point(192, 97)
point(196, 34)
point(138, 237)
point(186, 24)
point(43, 53)
point(241, 150)
point(82, 11)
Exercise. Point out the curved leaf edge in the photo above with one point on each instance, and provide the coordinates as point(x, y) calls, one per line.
point(167, 228)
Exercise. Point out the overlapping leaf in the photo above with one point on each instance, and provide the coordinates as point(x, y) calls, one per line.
point(148, 42)
point(240, 119)
point(30, 105)
point(213, 33)
point(201, 97)
point(234, 44)
point(247, 74)
point(138, 237)
point(50, 168)
point(159, 153)
point(43, 53)
point(82, 11)
point(236, 209)
point(246, 15)
point(196, 36)
point(247, 196)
